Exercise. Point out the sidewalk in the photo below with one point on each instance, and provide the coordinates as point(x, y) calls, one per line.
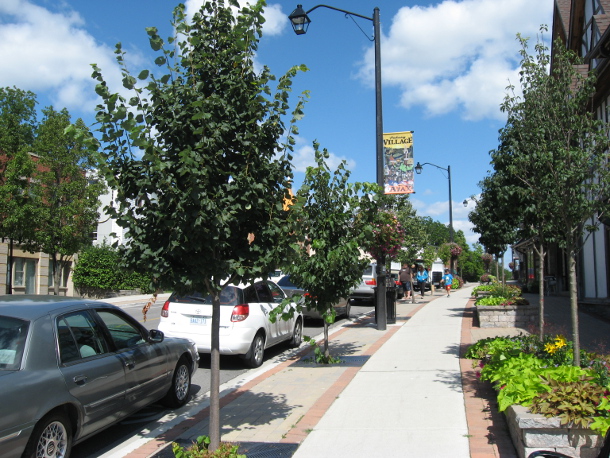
point(400, 392)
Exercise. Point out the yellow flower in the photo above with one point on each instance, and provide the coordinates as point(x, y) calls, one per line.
point(560, 341)
point(550, 348)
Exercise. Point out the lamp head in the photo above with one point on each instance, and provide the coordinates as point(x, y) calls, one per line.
point(465, 203)
point(299, 20)
point(418, 168)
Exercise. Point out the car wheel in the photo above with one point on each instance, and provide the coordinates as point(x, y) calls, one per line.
point(254, 357)
point(52, 437)
point(348, 309)
point(297, 334)
point(179, 391)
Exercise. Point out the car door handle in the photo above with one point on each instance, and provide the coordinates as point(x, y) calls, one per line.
point(80, 379)
point(130, 363)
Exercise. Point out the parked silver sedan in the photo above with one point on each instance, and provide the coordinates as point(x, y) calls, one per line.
point(71, 367)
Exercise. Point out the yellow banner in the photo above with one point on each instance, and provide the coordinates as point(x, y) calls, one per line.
point(398, 163)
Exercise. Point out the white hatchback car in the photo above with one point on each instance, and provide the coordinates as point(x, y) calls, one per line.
point(245, 328)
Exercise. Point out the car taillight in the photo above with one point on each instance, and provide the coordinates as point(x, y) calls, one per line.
point(240, 312)
point(371, 282)
point(165, 310)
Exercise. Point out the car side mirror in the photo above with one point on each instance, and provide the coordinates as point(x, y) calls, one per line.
point(155, 336)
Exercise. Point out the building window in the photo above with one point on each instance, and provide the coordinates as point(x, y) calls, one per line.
point(590, 34)
point(25, 274)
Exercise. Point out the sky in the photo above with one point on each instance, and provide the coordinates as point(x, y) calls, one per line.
point(445, 66)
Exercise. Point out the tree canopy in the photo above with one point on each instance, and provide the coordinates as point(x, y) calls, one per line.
point(200, 161)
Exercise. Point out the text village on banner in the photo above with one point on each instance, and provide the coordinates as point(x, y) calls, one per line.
point(398, 162)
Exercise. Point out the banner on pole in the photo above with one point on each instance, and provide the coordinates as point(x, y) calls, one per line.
point(398, 162)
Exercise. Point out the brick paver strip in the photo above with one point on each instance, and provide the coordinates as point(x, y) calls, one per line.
point(487, 428)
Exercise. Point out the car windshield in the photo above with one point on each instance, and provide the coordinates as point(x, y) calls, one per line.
point(286, 283)
point(230, 295)
point(12, 342)
point(368, 271)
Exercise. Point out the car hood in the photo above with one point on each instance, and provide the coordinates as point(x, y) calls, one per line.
point(6, 372)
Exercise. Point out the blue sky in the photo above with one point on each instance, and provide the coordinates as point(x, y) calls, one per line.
point(445, 67)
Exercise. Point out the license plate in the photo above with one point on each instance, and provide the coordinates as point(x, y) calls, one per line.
point(202, 321)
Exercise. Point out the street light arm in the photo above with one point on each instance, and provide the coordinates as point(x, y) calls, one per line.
point(340, 10)
point(434, 165)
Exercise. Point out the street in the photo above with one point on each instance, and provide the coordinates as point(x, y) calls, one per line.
point(151, 417)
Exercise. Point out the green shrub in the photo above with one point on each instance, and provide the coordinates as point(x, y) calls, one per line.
point(98, 272)
point(199, 449)
point(481, 288)
point(509, 291)
point(491, 300)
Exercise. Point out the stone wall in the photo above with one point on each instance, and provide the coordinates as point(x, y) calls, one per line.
point(507, 316)
point(531, 432)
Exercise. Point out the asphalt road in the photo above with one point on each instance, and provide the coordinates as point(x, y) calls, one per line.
point(150, 417)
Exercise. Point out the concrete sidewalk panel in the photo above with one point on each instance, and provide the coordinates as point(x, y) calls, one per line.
point(386, 443)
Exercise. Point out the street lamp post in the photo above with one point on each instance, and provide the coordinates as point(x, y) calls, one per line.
point(418, 169)
point(300, 23)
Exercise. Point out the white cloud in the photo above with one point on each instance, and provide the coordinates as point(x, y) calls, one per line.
point(456, 55)
point(275, 20)
point(304, 156)
point(51, 52)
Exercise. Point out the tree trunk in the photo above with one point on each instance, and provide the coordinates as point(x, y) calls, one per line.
point(56, 275)
point(502, 268)
point(541, 256)
point(574, 304)
point(9, 266)
point(214, 429)
point(326, 351)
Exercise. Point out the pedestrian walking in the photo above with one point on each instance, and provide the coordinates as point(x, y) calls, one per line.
point(405, 276)
point(422, 279)
point(447, 281)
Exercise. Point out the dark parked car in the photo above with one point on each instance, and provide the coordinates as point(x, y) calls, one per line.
point(341, 308)
point(71, 367)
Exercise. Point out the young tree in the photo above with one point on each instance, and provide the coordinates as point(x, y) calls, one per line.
point(68, 191)
point(328, 263)
point(17, 205)
point(557, 151)
point(198, 150)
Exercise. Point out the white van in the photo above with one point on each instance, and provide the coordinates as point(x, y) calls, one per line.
point(436, 273)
